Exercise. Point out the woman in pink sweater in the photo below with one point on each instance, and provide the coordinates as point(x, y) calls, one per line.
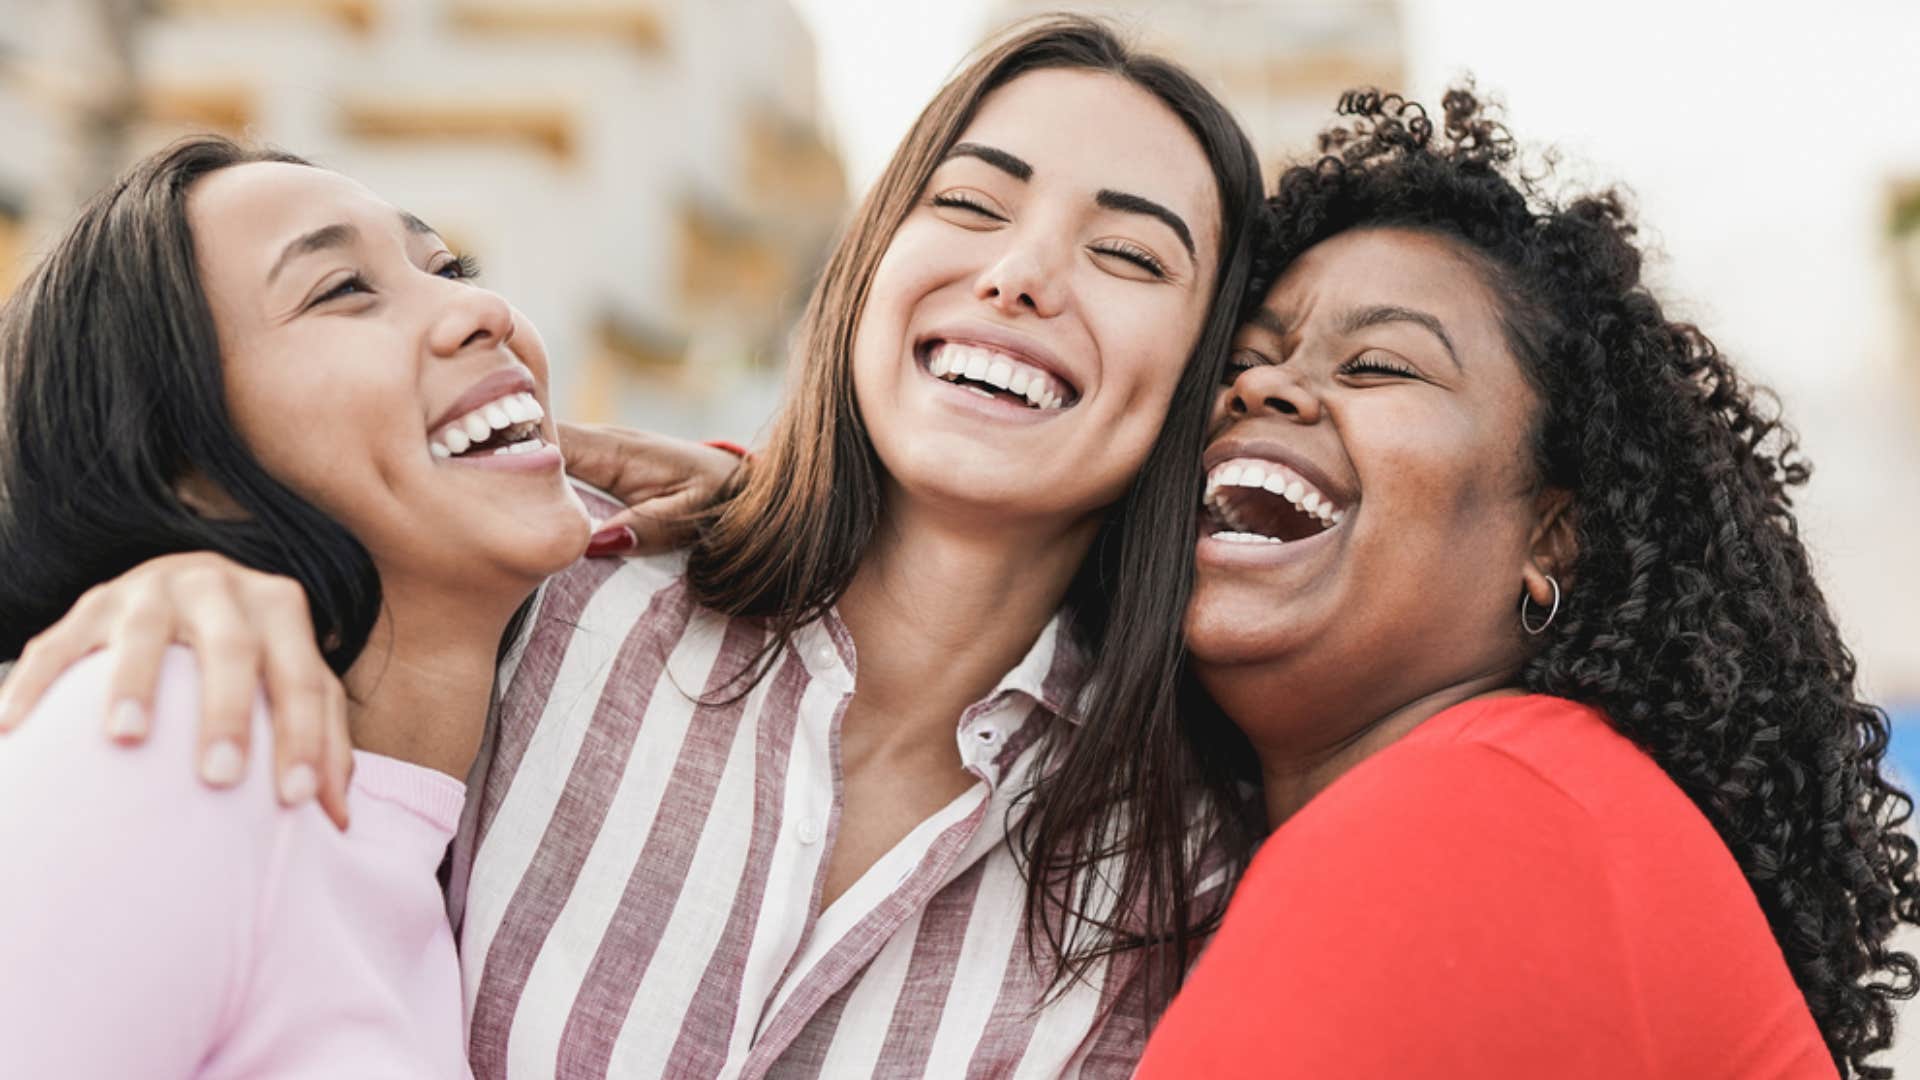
point(236, 351)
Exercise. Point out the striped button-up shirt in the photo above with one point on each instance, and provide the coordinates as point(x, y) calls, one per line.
point(643, 868)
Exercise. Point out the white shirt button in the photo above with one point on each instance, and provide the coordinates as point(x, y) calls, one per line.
point(827, 653)
point(808, 830)
point(987, 734)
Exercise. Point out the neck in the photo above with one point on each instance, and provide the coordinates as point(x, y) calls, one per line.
point(1292, 774)
point(419, 690)
point(939, 615)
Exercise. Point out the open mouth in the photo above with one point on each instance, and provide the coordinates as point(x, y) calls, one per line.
point(509, 424)
point(994, 374)
point(1250, 501)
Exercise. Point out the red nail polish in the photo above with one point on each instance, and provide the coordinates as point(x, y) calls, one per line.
point(612, 540)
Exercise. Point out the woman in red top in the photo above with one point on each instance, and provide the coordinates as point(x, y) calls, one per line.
point(1639, 831)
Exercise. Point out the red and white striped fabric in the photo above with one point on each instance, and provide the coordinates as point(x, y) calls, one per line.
point(642, 871)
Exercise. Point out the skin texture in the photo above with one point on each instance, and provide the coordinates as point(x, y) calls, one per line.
point(1326, 649)
point(989, 515)
point(335, 368)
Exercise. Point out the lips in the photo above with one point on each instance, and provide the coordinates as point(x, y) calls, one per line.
point(497, 416)
point(1263, 495)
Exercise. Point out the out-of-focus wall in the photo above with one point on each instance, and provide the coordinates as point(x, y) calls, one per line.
point(647, 179)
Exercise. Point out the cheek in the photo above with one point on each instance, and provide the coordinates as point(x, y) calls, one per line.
point(330, 432)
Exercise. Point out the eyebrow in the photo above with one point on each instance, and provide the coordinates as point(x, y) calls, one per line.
point(1107, 198)
point(321, 239)
point(339, 234)
point(1379, 315)
point(1134, 204)
point(995, 157)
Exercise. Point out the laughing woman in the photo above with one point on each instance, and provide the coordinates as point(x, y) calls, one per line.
point(746, 809)
point(235, 351)
point(1639, 830)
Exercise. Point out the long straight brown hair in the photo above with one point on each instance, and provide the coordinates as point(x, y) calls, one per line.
point(786, 544)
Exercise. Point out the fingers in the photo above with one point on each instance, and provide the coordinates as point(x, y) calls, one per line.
point(337, 771)
point(84, 629)
point(139, 643)
point(659, 524)
point(229, 653)
point(601, 456)
point(306, 704)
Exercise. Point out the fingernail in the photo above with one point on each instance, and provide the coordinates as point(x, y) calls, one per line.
point(611, 540)
point(222, 764)
point(127, 721)
point(298, 785)
point(8, 721)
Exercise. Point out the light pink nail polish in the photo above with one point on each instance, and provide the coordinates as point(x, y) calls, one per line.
point(222, 764)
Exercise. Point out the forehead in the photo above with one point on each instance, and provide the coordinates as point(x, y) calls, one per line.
point(1093, 130)
point(258, 207)
point(1397, 267)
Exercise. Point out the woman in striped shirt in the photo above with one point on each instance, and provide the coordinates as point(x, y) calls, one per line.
point(698, 845)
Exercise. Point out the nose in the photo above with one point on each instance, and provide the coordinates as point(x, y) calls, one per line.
point(1273, 388)
point(1021, 281)
point(471, 318)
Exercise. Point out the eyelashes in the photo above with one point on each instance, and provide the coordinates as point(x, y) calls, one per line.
point(1240, 361)
point(456, 268)
point(1119, 249)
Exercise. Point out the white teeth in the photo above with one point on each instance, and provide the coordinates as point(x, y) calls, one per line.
point(1231, 478)
point(955, 362)
point(524, 446)
point(516, 407)
point(497, 416)
point(1311, 504)
point(456, 439)
point(1295, 492)
point(1233, 537)
point(1253, 476)
point(1276, 483)
point(477, 427)
point(439, 451)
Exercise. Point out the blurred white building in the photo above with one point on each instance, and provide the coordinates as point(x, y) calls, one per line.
point(1278, 64)
point(647, 179)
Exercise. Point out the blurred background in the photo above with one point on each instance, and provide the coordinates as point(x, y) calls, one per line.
point(657, 181)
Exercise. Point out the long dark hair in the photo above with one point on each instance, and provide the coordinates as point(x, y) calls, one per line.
point(113, 395)
point(787, 544)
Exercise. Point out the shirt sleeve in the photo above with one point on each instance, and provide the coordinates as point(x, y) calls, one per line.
point(128, 909)
point(1445, 916)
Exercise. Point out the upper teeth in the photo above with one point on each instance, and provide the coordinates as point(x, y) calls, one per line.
point(459, 435)
point(1277, 479)
point(953, 361)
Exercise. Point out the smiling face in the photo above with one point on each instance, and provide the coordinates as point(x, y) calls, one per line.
point(1026, 328)
point(370, 377)
point(1372, 508)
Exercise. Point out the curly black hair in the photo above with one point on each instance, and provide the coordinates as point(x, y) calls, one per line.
point(1693, 618)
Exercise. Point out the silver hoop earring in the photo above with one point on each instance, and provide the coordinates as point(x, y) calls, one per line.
point(1526, 599)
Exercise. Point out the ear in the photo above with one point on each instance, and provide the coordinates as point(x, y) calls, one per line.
point(206, 498)
point(1553, 546)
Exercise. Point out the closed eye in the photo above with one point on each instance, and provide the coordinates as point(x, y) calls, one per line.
point(351, 285)
point(961, 200)
point(1241, 361)
point(1134, 254)
point(1376, 363)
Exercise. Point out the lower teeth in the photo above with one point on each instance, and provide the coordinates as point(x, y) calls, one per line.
point(1246, 538)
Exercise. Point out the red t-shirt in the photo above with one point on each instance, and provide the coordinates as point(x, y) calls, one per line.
point(1511, 890)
